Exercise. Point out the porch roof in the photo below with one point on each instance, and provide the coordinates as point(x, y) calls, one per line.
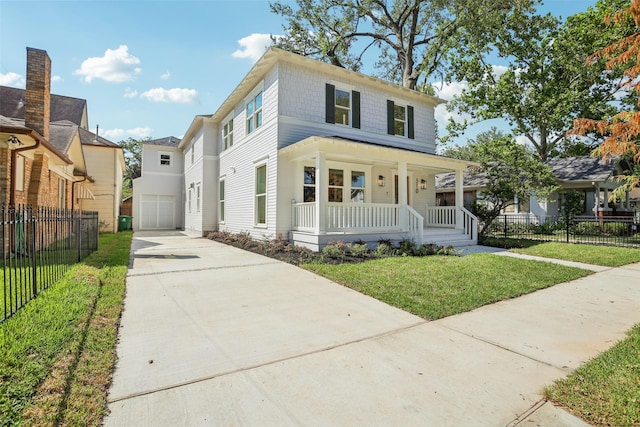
point(355, 151)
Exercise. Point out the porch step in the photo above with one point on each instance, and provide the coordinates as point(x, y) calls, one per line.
point(446, 237)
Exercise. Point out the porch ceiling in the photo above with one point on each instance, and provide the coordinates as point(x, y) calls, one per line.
point(339, 149)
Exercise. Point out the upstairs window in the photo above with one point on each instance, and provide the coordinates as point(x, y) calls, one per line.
point(342, 106)
point(400, 120)
point(254, 113)
point(193, 155)
point(227, 134)
point(165, 159)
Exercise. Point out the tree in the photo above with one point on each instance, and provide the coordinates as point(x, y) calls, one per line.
point(511, 170)
point(133, 162)
point(545, 84)
point(621, 130)
point(414, 37)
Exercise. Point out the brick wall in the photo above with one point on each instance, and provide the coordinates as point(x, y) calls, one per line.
point(37, 105)
point(5, 175)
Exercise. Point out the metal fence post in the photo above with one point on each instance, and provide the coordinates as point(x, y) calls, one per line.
point(568, 227)
point(33, 255)
point(505, 225)
point(79, 235)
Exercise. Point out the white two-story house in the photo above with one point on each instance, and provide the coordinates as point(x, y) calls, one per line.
point(313, 153)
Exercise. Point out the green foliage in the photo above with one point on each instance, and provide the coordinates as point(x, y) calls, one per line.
point(546, 83)
point(359, 250)
point(383, 250)
point(412, 39)
point(572, 204)
point(133, 162)
point(335, 250)
point(615, 228)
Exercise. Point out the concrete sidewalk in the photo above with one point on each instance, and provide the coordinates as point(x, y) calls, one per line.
point(212, 335)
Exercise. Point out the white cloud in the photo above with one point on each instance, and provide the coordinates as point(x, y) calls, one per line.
point(175, 95)
point(448, 91)
point(119, 134)
point(130, 93)
point(56, 79)
point(253, 46)
point(499, 70)
point(115, 66)
point(522, 140)
point(165, 76)
point(12, 79)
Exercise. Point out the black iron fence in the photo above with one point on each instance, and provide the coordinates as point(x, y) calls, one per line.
point(609, 230)
point(38, 247)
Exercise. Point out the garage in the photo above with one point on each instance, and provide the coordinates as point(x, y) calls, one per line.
point(157, 212)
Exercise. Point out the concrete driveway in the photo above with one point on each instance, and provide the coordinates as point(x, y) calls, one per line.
point(213, 335)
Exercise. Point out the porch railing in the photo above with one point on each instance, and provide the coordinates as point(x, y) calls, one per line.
point(416, 225)
point(470, 224)
point(363, 217)
point(441, 216)
point(304, 216)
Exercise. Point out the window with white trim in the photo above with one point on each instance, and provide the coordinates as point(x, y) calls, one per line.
point(227, 134)
point(343, 107)
point(193, 154)
point(221, 200)
point(261, 195)
point(254, 113)
point(399, 119)
point(336, 185)
point(165, 159)
point(189, 197)
point(309, 184)
point(357, 187)
point(198, 197)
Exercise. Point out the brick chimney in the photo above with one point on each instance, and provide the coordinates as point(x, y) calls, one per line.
point(37, 103)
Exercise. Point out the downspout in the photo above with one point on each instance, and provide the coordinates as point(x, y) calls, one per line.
point(73, 189)
point(14, 157)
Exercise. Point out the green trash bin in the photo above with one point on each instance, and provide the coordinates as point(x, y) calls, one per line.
point(124, 222)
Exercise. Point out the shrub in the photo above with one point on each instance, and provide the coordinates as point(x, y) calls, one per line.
point(383, 250)
point(359, 250)
point(407, 247)
point(615, 228)
point(587, 228)
point(335, 250)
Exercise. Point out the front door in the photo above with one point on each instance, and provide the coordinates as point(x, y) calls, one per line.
point(395, 190)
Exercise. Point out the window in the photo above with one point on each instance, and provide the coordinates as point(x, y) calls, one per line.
point(227, 134)
point(261, 195)
point(198, 197)
point(400, 120)
point(309, 184)
point(342, 106)
point(62, 193)
point(189, 197)
point(165, 159)
point(254, 113)
point(357, 187)
point(193, 154)
point(19, 178)
point(221, 202)
point(336, 185)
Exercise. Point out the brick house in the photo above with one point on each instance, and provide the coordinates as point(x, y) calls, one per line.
point(44, 160)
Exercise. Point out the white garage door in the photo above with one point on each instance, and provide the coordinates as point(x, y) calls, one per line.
point(157, 212)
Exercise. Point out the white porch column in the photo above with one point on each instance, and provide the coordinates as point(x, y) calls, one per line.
point(459, 198)
point(596, 200)
point(322, 193)
point(402, 195)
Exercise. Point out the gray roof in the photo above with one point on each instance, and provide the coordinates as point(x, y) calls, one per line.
point(570, 169)
point(89, 138)
point(62, 107)
point(170, 141)
point(61, 135)
point(582, 169)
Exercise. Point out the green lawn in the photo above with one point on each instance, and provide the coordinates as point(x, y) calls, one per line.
point(606, 390)
point(610, 256)
point(439, 286)
point(58, 351)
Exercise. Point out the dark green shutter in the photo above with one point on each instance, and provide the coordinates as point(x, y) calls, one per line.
point(330, 103)
point(410, 122)
point(355, 111)
point(391, 129)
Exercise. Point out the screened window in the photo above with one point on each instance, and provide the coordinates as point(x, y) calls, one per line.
point(254, 113)
point(227, 134)
point(357, 187)
point(261, 195)
point(309, 184)
point(221, 198)
point(336, 185)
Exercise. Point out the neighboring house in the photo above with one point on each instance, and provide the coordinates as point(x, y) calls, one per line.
point(158, 194)
point(585, 174)
point(43, 148)
point(316, 153)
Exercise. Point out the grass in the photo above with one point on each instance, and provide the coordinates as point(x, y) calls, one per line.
point(598, 255)
point(439, 286)
point(605, 390)
point(58, 351)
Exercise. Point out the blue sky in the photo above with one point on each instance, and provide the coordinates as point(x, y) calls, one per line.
point(146, 68)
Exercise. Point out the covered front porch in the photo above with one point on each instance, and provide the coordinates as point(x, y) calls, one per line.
point(356, 191)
